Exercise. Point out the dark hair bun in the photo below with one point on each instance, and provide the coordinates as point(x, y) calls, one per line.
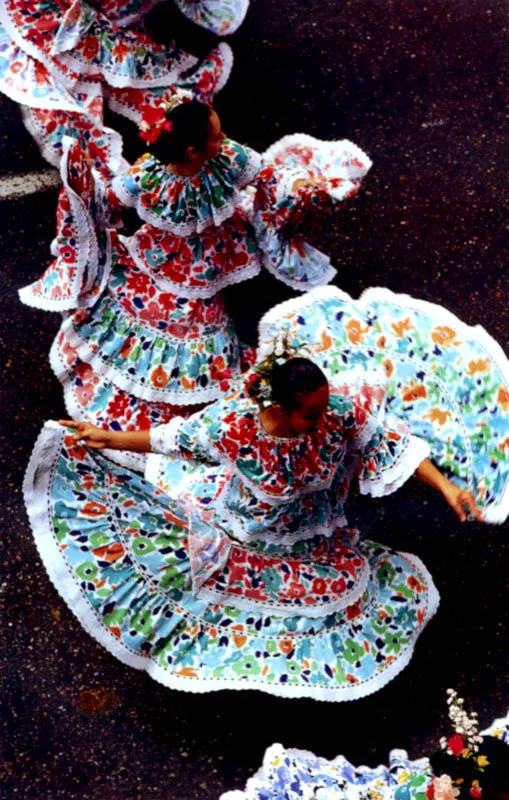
point(293, 377)
point(190, 128)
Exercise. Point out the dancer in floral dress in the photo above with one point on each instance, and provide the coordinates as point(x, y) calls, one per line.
point(63, 60)
point(242, 576)
point(160, 337)
point(447, 381)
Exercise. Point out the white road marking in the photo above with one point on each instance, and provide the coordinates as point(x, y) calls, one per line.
point(14, 186)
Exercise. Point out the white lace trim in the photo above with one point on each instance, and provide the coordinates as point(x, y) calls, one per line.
point(501, 722)
point(300, 286)
point(87, 254)
point(216, 216)
point(262, 778)
point(227, 56)
point(239, 531)
point(394, 476)
point(28, 100)
point(308, 612)
point(164, 438)
point(37, 488)
point(28, 47)
point(114, 159)
point(184, 61)
point(317, 144)
point(124, 458)
point(184, 397)
point(497, 512)
point(192, 292)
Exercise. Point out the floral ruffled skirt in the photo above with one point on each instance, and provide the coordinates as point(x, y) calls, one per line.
point(120, 553)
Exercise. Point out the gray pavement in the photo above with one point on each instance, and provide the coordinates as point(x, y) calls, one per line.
point(418, 84)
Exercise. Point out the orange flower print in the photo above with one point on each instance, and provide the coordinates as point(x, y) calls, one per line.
point(93, 509)
point(438, 415)
point(120, 51)
point(503, 446)
point(218, 365)
point(400, 328)
point(381, 341)
point(444, 336)
point(76, 450)
point(109, 553)
point(326, 343)
point(286, 646)
point(127, 347)
point(187, 672)
point(388, 367)
point(481, 365)
point(159, 377)
point(355, 331)
point(414, 391)
point(503, 398)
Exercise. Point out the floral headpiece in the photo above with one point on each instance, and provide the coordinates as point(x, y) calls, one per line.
point(154, 122)
point(258, 382)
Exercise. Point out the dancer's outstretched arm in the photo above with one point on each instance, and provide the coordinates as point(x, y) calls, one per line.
point(460, 500)
point(97, 438)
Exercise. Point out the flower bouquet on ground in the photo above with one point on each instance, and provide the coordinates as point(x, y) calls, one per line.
point(470, 764)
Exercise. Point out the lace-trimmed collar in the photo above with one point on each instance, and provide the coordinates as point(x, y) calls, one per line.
point(187, 204)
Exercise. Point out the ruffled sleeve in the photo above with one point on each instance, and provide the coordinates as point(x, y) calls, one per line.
point(279, 212)
point(187, 438)
point(390, 455)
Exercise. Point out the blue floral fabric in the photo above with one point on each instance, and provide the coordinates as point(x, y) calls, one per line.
point(448, 382)
point(118, 551)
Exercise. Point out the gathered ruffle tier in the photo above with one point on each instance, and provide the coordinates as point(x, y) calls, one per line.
point(338, 166)
point(201, 83)
point(180, 361)
point(90, 396)
point(51, 111)
point(447, 381)
point(118, 553)
point(277, 213)
point(198, 265)
point(74, 41)
point(185, 205)
point(221, 17)
point(301, 775)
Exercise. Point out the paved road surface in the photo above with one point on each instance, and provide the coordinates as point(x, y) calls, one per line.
point(418, 84)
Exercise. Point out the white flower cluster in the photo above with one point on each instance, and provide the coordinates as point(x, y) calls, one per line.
point(466, 725)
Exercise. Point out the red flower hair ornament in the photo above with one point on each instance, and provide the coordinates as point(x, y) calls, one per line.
point(153, 123)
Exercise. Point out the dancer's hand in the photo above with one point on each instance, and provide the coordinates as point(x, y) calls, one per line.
point(462, 502)
point(92, 436)
point(97, 438)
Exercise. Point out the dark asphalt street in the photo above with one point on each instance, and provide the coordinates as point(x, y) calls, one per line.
point(418, 84)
